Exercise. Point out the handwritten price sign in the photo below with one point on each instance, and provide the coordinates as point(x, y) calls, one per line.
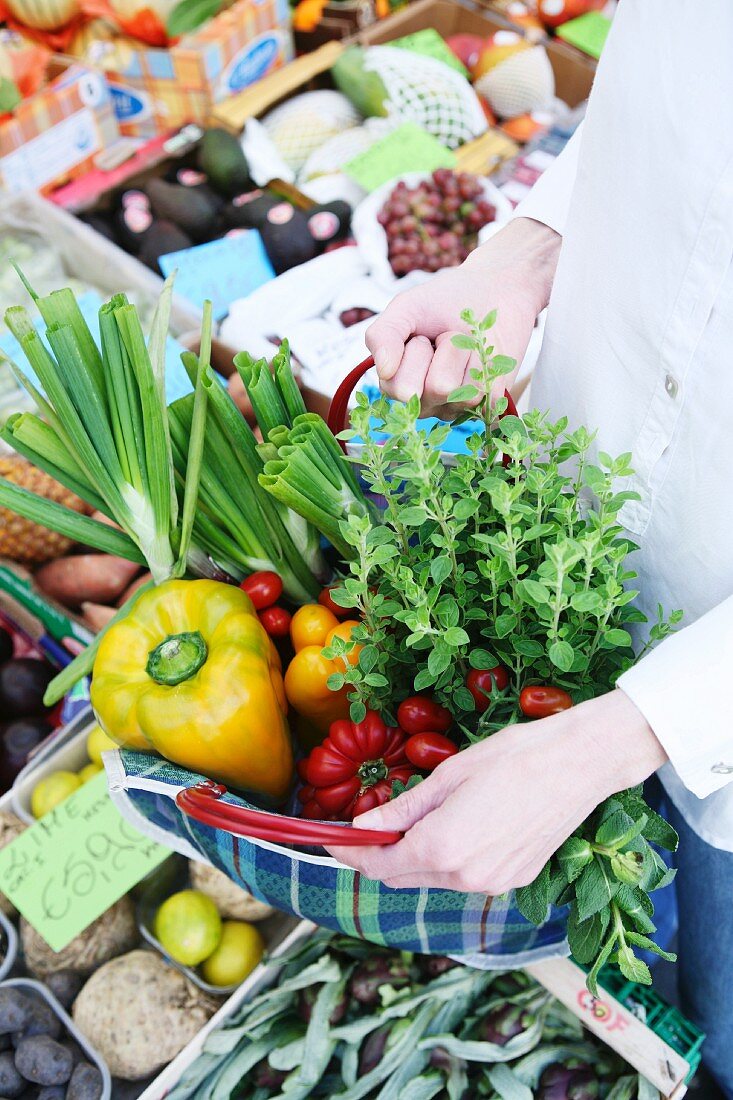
point(71, 865)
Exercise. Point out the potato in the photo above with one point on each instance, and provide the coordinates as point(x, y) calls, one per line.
point(95, 578)
point(43, 1061)
point(10, 827)
point(231, 900)
point(139, 1013)
point(111, 934)
point(16, 1009)
point(85, 1084)
point(11, 1082)
point(96, 615)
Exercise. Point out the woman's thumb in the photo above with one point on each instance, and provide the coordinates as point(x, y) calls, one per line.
point(403, 812)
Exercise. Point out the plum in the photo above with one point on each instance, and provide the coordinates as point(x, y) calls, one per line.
point(86, 1083)
point(44, 1061)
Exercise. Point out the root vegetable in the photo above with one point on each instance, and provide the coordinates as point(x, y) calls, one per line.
point(11, 1082)
point(111, 934)
point(231, 900)
point(16, 1010)
point(10, 827)
point(65, 986)
point(139, 1013)
point(137, 583)
point(43, 1061)
point(97, 578)
point(85, 1083)
point(96, 615)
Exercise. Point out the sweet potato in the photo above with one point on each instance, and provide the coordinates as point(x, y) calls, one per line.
point(96, 615)
point(94, 578)
point(142, 579)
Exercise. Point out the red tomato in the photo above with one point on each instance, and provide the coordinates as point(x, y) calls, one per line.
point(419, 714)
point(427, 750)
point(540, 700)
point(466, 47)
point(555, 12)
point(325, 601)
point(480, 682)
point(276, 621)
point(264, 588)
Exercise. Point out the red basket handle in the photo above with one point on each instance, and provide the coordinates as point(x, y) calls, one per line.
point(336, 418)
point(202, 804)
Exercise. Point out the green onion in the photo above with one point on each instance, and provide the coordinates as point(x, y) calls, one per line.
point(290, 393)
point(196, 445)
point(268, 405)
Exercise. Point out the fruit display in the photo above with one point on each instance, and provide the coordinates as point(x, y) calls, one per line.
point(56, 785)
point(434, 224)
point(42, 1052)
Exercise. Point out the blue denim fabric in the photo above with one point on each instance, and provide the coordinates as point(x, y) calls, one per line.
point(705, 968)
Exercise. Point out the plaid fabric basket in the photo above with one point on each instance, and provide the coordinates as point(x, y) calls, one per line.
point(307, 883)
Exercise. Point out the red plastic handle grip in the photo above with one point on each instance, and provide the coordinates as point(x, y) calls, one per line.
point(202, 804)
point(336, 419)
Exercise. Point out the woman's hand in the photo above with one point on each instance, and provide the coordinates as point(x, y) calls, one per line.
point(412, 339)
point(487, 820)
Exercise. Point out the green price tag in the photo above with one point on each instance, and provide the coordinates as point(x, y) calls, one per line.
point(431, 44)
point(587, 33)
point(407, 149)
point(73, 863)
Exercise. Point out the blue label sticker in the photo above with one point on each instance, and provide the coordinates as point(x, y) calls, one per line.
point(253, 63)
point(130, 105)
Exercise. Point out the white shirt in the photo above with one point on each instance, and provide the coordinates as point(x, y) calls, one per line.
point(639, 344)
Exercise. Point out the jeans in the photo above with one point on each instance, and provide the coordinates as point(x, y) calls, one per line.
point(705, 968)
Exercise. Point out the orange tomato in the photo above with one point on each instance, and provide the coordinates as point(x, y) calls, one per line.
point(343, 630)
point(311, 625)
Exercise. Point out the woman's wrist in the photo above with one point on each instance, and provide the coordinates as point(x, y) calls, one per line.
point(526, 252)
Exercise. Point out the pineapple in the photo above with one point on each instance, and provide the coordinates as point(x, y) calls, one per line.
point(21, 540)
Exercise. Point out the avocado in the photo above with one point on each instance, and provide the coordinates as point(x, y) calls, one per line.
point(190, 177)
point(250, 209)
point(187, 207)
point(164, 237)
point(286, 237)
point(329, 221)
point(365, 89)
point(101, 224)
point(221, 158)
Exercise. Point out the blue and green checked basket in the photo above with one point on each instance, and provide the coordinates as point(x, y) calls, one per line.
point(307, 883)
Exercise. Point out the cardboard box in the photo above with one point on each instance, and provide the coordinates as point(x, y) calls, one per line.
point(59, 133)
point(157, 90)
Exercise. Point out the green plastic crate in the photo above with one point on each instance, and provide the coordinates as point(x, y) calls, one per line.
point(664, 1020)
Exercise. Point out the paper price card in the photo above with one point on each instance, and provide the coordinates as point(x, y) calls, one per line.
point(65, 870)
point(407, 149)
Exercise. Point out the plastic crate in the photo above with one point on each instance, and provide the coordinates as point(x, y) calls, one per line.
point(664, 1020)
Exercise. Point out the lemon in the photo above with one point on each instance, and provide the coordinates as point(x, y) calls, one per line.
point(188, 927)
point(240, 949)
point(51, 790)
point(89, 771)
point(97, 743)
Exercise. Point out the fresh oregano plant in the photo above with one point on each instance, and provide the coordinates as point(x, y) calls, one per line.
point(510, 555)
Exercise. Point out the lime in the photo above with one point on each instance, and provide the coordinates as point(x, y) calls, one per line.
point(240, 949)
point(188, 927)
point(89, 771)
point(51, 790)
point(97, 743)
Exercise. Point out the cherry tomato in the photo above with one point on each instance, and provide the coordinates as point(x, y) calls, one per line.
point(276, 621)
point(541, 700)
point(480, 682)
point(310, 626)
point(264, 588)
point(427, 750)
point(325, 601)
point(420, 714)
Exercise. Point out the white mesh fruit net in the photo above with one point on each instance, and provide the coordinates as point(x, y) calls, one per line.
point(429, 93)
point(340, 149)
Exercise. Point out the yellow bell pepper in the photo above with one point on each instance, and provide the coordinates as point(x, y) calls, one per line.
point(191, 674)
point(306, 679)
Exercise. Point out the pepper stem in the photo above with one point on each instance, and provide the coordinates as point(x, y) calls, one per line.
point(371, 771)
point(177, 658)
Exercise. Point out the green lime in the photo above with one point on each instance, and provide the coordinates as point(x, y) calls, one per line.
point(188, 927)
point(51, 790)
point(240, 949)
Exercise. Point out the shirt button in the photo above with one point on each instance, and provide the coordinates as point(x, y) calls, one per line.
point(670, 385)
point(722, 769)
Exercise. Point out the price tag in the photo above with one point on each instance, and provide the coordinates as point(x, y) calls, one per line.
point(223, 270)
point(407, 149)
point(587, 33)
point(429, 43)
point(69, 867)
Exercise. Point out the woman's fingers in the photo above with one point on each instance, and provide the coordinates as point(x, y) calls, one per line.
point(409, 378)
